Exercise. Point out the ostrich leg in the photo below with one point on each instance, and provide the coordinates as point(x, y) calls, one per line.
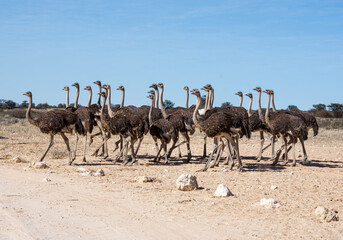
point(66, 141)
point(259, 157)
point(51, 142)
point(215, 147)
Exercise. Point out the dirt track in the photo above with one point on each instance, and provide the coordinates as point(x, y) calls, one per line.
point(116, 207)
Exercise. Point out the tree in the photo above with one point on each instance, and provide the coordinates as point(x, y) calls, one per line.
point(319, 106)
point(61, 105)
point(168, 104)
point(42, 105)
point(226, 104)
point(24, 104)
point(9, 104)
point(292, 108)
point(335, 107)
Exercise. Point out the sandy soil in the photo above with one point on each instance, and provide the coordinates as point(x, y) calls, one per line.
point(115, 206)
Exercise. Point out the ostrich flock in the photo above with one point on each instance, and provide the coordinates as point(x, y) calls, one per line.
point(225, 125)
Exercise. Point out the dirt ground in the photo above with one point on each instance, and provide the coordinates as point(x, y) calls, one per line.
point(115, 206)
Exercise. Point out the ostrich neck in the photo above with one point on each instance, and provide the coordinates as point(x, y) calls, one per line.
point(153, 103)
point(249, 109)
point(210, 99)
point(103, 106)
point(28, 113)
point(67, 98)
point(266, 117)
point(77, 97)
point(99, 101)
point(89, 99)
point(157, 97)
point(150, 111)
point(110, 113)
point(195, 119)
point(187, 98)
point(241, 101)
point(163, 110)
point(273, 105)
point(206, 100)
point(122, 98)
point(259, 106)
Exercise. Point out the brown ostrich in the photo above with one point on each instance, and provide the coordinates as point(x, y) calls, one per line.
point(217, 123)
point(286, 125)
point(55, 122)
point(86, 116)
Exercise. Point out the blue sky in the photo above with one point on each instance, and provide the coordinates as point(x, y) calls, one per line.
point(293, 47)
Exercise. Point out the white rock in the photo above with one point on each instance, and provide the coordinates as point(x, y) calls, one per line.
point(187, 182)
point(269, 203)
point(87, 173)
point(143, 179)
point(99, 172)
point(325, 215)
point(18, 160)
point(222, 191)
point(81, 169)
point(47, 180)
point(291, 173)
point(273, 187)
point(224, 170)
point(39, 165)
point(166, 170)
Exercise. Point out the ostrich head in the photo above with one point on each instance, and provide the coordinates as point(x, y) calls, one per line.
point(258, 89)
point(267, 91)
point(29, 94)
point(186, 88)
point(88, 88)
point(239, 93)
point(66, 88)
point(97, 83)
point(196, 92)
point(154, 86)
point(121, 87)
point(249, 95)
point(152, 92)
point(106, 86)
point(160, 85)
point(207, 87)
point(150, 96)
point(102, 94)
point(76, 85)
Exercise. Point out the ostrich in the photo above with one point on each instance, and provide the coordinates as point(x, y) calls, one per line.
point(86, 116)
point(122, 88)
point(181, 119)
point(163, 130)
point(55, 122)
point(240, 94)
point(187, 96)
point(68, 107)
point(66, 88)
point(216, 123)
point(261, 114)
point(95, 110)
point(127, 122)
point(309, 120)
point(102, 131)
point(256, 124)
point(154, 86)
point(286, 125)
point(239, 112)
